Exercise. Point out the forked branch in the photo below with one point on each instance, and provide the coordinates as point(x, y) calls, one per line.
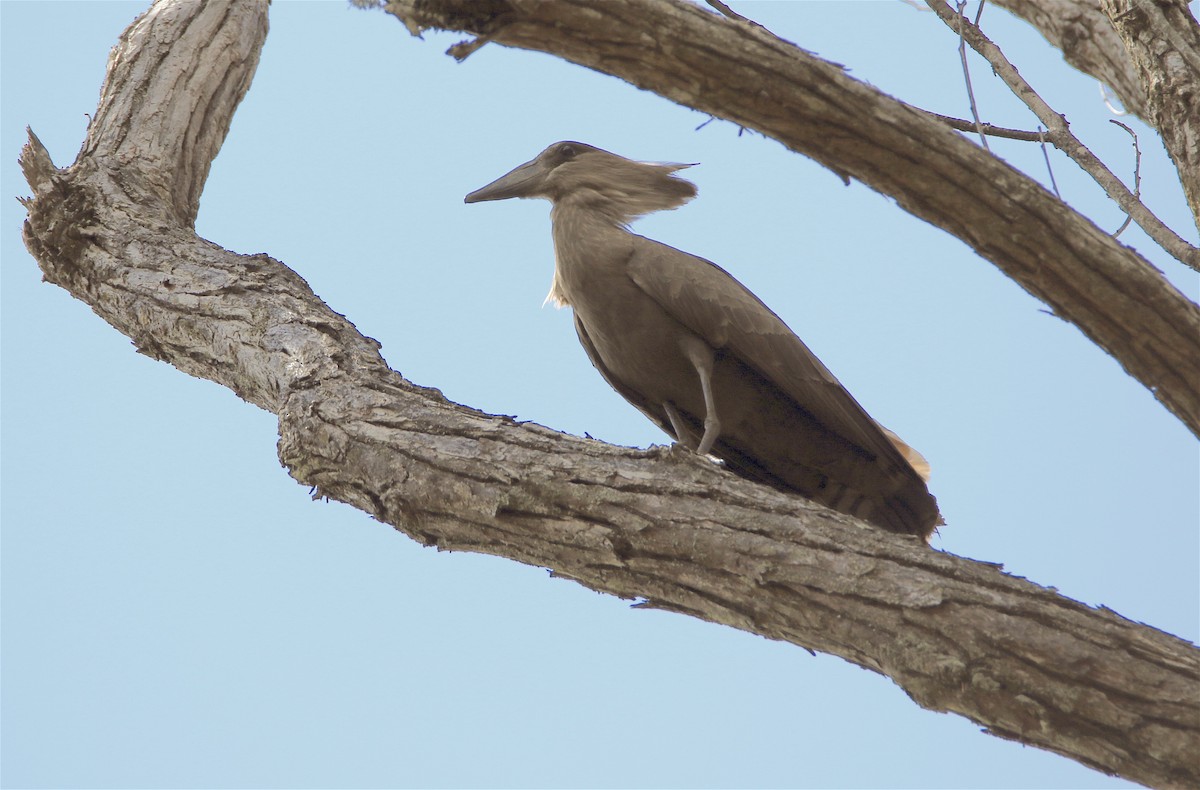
point(1062, 138)
point(114, 229)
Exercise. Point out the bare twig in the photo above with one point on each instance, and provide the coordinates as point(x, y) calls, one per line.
point(1046, 156)
point(1059, 134)
point(962, 55)
point(1137, 173)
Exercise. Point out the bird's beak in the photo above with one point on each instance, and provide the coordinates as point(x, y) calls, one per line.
point(522, 181)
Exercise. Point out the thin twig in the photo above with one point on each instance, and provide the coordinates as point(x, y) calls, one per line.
point(1059, 133)
point(1049, 169)
point(962, 55)
point(987, 128)
point(1137, 174)
point(979, 11)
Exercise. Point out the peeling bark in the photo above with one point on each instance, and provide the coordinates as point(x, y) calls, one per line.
point(661, 526)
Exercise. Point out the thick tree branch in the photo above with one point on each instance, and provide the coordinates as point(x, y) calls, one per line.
point(661, 526)
point(1163, 40)
point(744, 74)
point(167, 66)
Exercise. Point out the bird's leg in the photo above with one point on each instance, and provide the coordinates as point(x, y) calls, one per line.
point(683, 434)
point(701, 355)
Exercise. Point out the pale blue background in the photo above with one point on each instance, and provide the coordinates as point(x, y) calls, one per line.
point(178, 613)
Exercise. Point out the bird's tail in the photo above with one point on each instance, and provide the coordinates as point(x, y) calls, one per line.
point(913, 515)
point(896, 513)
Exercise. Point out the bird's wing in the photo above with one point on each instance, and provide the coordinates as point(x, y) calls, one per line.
point(710, 302)
point(652, 411)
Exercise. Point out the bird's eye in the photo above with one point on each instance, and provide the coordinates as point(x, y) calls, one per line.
point(567, 151)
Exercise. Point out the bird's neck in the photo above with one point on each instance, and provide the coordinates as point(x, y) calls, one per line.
point(587, 239)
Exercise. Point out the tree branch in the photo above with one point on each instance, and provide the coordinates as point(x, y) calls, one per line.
point(987, 128)
point(1137, 172)
point(1060, 135)
point(752, 78)
point(1163, 40)
point(662, 526)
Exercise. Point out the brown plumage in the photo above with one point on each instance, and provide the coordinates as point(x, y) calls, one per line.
point(700, 355)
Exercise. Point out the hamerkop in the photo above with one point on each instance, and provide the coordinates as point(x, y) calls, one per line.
point(700, 355)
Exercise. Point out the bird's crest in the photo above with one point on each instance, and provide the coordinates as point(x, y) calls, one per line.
point(621, 189)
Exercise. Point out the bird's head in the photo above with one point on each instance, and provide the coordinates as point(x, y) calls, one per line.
point(619, 188)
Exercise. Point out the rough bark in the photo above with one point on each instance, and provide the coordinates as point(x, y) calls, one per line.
point(1163, 41)
point(662, 526)
point(742, 73)
point(1082, 32)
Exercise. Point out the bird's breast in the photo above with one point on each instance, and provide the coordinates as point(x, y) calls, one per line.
point(636, 339)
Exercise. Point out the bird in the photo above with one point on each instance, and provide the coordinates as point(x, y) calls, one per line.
point(700, 355)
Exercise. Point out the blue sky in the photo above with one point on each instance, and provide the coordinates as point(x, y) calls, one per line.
point(178, 613)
